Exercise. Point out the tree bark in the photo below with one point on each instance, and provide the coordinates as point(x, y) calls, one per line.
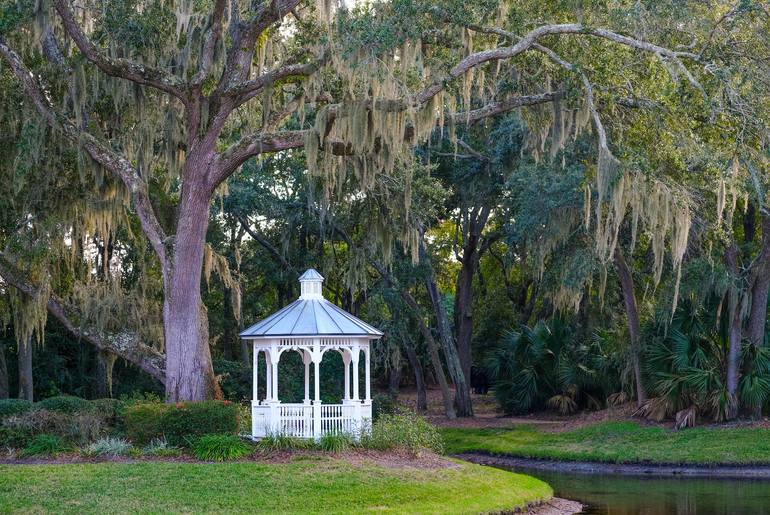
point(189, 371)
point(734, 337)
point(469, 262)
point(760, 287)
point(463, 403)
point(25, 370)
point(4, 391)
point(629, 300)
point(105, 362)
point(419, 380)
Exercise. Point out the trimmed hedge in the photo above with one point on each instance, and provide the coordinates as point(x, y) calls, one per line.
point(65, 404)
point(179, 423)
point(9, 407)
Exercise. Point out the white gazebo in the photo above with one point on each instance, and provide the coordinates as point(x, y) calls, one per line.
point(311, 325)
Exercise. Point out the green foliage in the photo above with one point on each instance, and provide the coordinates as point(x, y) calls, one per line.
point(76, 428)
point(10, 407)
point(335, 442)
point(15, 437)
point(222, 447)
point(383, 404)
point(109, 446)
point(281, 442)
point(43, 445)
point(179, 422)
point(161, 447)
point(66, 404)
point(546, 366)
point(403, 431)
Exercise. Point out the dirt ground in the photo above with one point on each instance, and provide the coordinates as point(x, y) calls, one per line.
point(487, 414)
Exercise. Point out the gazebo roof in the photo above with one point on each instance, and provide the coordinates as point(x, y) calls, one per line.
point(310, 315)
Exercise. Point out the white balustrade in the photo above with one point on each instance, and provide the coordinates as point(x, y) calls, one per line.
point(297, 419)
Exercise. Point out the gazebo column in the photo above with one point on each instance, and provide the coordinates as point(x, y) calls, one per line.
point(275, 418)
point(268, 377)
point(317, 387)
point(357, 422)
point(367, 376)
point(346, 367)
point(255, 360)
point(306, 359)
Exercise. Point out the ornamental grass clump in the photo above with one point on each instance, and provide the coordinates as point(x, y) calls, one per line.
point(336, 442)
point(220, 448)
point(281, 442)
point(109, 446)
point(403, 431)
point(43, 445)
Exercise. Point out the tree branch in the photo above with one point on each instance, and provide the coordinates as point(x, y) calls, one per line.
point(213, 34)
point(127, 345)
point(120, 67)
point(114, 162)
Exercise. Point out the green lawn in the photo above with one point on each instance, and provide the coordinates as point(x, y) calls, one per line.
point(619, 442)
point(317, 485)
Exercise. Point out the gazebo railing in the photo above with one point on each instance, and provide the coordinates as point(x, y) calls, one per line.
point(338, 418)
point(298, 420)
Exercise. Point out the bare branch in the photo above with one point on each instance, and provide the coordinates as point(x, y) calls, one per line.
point(123, 68)
point(114, 162)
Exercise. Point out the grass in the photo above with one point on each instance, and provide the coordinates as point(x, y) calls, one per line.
point(619, 442)
point(301, 486)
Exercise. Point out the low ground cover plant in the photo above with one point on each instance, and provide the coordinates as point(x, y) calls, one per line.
point(43, 445)
point(109, 446)
point(404, 430)
point(161, 447)
point(223, 447)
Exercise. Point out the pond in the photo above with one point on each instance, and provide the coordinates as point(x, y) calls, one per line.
point(629, 495)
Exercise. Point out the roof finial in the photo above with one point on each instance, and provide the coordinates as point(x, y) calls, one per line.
point(311, 284)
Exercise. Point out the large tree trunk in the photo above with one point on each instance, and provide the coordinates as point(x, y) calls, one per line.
point(25, 370)
point(463, 403)
point(629, 300)
point(464, 311)
point(4, 391)
point(105, 362)
point(760, 287)
point(189, 371)
point(419, 381)
point(734, 337)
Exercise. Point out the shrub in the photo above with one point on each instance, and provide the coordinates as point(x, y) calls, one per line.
point(109, 446)
point(43, 445)
point(65, 404)
point(109, 409)
point(9, 407)
point(161, 447)
point(14, 437)
point(335, 442)
point(404, 431)
point(280, 442)
point(180, 422)
point(78, 428)
point(221, 447)
point(383, 404)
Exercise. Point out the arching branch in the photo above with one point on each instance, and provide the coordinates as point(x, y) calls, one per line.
point(120, 67)
point(127, 345)
point(213, 34)
point(112, 161)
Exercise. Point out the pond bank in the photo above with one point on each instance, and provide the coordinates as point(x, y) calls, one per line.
point(628, 469)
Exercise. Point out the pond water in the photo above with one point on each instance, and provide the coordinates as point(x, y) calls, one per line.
point(628, 495)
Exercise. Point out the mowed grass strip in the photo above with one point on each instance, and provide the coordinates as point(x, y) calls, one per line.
point(302, 486)
point(619, 442)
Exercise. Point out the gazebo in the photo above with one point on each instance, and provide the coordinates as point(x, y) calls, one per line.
point(311, 326)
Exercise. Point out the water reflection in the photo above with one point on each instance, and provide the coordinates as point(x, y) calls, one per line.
point(623, 495)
